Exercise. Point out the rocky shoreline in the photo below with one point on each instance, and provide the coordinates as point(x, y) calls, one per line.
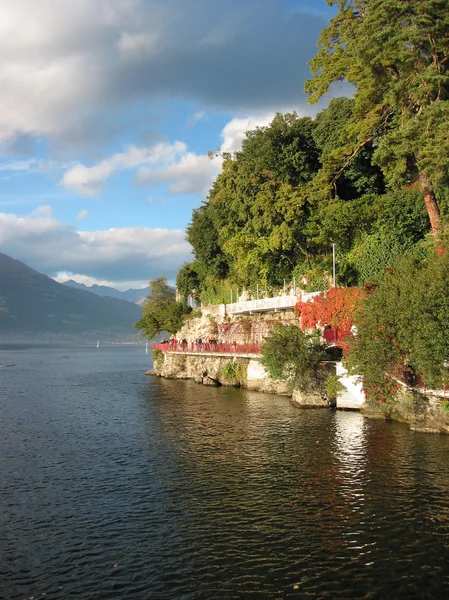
point(422, 412)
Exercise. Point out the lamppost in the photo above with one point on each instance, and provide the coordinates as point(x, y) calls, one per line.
point(334, 283)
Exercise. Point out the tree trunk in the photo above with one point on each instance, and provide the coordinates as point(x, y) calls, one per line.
point(431, 204)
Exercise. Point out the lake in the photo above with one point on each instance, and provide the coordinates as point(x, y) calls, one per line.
point(114, 485)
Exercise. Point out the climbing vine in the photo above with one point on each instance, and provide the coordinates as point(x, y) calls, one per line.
point(337, 308)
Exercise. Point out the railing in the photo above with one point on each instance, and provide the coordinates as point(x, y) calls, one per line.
point(208, 347)
point(275, 303)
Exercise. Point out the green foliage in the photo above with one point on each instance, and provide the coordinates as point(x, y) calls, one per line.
point(193, 314)
point(445, 406)
point(158, 357)
point(187, 281)
point(285, 149)
point(374, 253)
point(314, 275)
point(252, 227)
point(230, 370)
point(161, 312)
point(333, 386)
point(202, 233)
point(396, 55)
point(215, 291)
point(293, 356)
point(404, 320)
point(360, 176)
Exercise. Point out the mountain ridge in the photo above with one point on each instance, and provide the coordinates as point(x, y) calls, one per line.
point(32, 303)
point(135, 295)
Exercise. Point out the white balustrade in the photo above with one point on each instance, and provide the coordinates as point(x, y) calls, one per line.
point(275, 303)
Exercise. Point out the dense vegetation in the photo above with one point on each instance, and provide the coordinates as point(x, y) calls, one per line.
point(273, 213)
point(161, 312)
point(369, 174)
point(294, 357)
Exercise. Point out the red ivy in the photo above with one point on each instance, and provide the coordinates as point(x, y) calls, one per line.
point(335, 307)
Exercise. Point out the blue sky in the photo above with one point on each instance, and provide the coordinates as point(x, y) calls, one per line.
point(108, 110)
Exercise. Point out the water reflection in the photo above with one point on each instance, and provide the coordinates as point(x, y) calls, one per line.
point(118, 486)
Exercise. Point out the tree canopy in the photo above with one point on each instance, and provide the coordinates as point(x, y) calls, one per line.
point(161, 312)
point(396, 55)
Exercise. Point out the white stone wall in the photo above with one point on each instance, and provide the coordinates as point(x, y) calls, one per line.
point(353, 395)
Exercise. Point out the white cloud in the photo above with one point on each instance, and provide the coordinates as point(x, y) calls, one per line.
point(69, 67)
point(81, 215)
point(185, 172)
point(234, 132)
point(191, 174)
point(32, 165)
point(195, 118)
point(132, 44)
point(89, 181)
point(118, 254)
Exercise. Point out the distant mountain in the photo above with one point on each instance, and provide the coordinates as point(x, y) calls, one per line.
point(34, 304)
point(131, 295)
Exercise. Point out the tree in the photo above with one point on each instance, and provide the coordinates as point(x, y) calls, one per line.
point(285, 149)
point(161, 312)
point(187, 281)
point(202, 233)
point(256, 211)
point(293, 356)
point(396, 55)
point(361, 176)
point(404, 321)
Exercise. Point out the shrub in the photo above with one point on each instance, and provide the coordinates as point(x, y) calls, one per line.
point(230, 371)
point(404, 321)
point(293, 356)
point(158, 357)
point(333, 386)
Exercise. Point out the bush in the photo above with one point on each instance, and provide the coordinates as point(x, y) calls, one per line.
point(292, 356)
point(161, 312)
point(333, 386)
point(158, 357)
point(234, 372)
point(404, 320)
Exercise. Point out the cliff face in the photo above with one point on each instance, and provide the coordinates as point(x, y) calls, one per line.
point(214, 323)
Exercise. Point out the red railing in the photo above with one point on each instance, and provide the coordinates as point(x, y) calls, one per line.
point(209, 347)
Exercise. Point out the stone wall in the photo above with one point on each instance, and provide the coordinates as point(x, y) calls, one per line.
point(218, 370)
point(429, 414)
point(216, 324)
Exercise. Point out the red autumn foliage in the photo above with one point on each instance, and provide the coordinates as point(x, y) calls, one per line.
point(335, 307)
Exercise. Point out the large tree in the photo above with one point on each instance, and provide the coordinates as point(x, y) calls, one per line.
point(395, 53)
point(252, 227)
point(161, 312)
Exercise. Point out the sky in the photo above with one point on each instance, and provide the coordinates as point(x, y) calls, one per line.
point(108, 109)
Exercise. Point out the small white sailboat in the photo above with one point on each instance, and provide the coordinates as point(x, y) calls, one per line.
point(146, 348)
point(98, 343)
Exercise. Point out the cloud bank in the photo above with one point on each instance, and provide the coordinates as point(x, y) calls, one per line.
point(83, 62)
point(185, 172)
point(123, 254)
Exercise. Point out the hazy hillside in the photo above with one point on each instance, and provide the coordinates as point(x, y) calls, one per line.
point(36, 304)
point(132, 295)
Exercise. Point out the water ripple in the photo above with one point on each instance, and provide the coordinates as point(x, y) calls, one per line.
point(117, 486)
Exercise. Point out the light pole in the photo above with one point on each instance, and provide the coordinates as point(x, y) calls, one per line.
point(333, 267)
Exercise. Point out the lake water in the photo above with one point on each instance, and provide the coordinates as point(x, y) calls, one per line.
point(114, 485)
